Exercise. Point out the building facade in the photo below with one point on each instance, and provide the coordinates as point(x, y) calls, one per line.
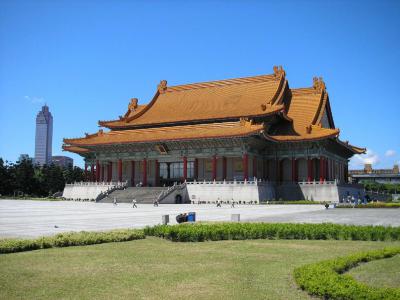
point(234, 129)
point(368, 174)
point(44, 136)
point(62, 161)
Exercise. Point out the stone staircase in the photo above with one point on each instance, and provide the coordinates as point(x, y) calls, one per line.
point(141, 194)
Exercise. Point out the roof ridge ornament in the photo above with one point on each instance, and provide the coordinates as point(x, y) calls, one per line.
point(309, 129)
point(162, 86)
point(246, 122)
point(319, 84)
point(279, 71)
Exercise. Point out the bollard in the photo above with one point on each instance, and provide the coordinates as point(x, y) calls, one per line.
point(235, 217)
point(165, 219)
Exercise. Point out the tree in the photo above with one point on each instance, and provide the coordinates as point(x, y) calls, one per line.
point(25, 179)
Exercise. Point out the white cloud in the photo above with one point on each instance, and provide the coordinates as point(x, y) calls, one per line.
point(34, 99)
point(359, 160)
point(390, 153)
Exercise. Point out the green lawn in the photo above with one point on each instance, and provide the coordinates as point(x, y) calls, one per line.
point(379, 273)
point(159, 269)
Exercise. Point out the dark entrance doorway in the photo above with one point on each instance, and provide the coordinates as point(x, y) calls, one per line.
point(178, 199)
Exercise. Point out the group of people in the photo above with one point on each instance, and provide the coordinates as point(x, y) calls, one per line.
point(115, 202)
point(219, 203)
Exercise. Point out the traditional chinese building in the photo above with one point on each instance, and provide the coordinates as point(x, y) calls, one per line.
point(221, 130)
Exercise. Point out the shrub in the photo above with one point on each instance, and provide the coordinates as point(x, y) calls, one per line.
point(70, 239)
point(293, 202)
point(371, 205)
point(325, 278)
point(243, 231)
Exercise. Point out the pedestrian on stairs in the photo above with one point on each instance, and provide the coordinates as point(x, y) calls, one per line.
point(155, 203)
point(134, 203)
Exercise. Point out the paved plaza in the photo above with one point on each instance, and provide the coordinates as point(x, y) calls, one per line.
point(25, 218)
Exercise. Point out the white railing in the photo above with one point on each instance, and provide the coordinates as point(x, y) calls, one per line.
point(98, 183)
point(229, 182)
point(91, 191)
point(171, 189)
point(316, 182)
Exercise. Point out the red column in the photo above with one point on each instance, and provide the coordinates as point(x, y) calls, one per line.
point(294, 171)
point(327, 177)
point(102, 172)
point(266, 171)
point(184, 168)
point(92, 173)
point(157, 173)
point(133, 173)
point(120, 170)
point(321, 169)
point(97, 170)
point(109, 171)
point(309, 170)
point(86, 172)
point(346, 173)
point(246, 166)
point(277, 170)
point(214, 167)
point(254, 166)
point(196, 168)
point(144, 172)
point(224, 168)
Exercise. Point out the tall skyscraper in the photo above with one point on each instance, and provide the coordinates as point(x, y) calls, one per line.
point(44, 136)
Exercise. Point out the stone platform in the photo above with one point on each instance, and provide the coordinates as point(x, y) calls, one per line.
point(24, 218)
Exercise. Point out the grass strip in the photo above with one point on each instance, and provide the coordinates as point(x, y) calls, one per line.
point(70, 239)
point(326, 278)
point(243, 231)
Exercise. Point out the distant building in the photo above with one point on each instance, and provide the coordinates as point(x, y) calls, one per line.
point(62, 161)
point(24, 157)
point(377, 175)
point(44, 136)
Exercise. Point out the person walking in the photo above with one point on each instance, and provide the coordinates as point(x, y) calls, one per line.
point(115, 201)
point(233, 203)
point(134, 203)
point(155, 203)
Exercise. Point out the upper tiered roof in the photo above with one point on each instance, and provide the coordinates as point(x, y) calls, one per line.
point(225, 108)
point(216, 100)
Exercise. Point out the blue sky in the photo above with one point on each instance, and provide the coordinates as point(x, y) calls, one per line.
point(86, 59)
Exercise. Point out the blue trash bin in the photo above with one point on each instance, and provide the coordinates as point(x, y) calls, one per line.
point(191, 217)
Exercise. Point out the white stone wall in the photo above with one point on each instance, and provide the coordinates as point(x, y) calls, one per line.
point(239, 191)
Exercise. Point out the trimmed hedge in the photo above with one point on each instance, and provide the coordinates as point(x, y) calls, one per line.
point(306, 202)
point(371, 205)
point(325, 278)
point(242, 231)
point(70, 239)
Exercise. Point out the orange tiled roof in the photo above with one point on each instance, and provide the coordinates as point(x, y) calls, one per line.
point(197, 131)
point(176, 112)
point(75, 149)
point(313, 133)
point(215, 100)
point(356, 150)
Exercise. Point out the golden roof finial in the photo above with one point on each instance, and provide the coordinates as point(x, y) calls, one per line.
point(319, 84)
point(162, 86)
point(279, 71)
point(133, 104)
